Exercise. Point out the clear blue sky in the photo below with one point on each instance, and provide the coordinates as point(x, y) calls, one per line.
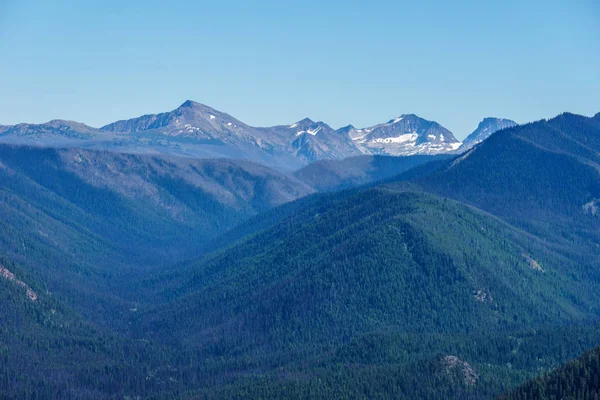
point(275, 62)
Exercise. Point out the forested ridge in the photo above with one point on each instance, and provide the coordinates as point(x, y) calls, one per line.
point(407, 268)
point(578, 380)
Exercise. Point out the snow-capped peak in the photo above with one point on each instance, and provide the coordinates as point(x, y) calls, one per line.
point(406, 135)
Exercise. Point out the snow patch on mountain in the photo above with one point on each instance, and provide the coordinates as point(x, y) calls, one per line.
point(310, 131)
point(406, 138)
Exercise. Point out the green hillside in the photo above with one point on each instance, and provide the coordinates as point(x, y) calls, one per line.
point(415, 276)
point(47, 351)
point(533, 174)
point(87, 223)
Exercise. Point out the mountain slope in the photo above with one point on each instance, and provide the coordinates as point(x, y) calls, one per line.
point(578, 380)
point(199, 194)
point(341, 235)
point(331, 175)
point(47, 351)
point(365, 262)
point(530, 171)
point(88, 222)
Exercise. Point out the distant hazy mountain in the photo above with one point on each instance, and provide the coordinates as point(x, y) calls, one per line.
point(486, 127)
point(198, 122)
point(139, 198)
point(198, 131)
point(310, 141)
point(54, 131)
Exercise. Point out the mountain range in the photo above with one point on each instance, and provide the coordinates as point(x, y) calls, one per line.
point(438, 276)
point(198, 131)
